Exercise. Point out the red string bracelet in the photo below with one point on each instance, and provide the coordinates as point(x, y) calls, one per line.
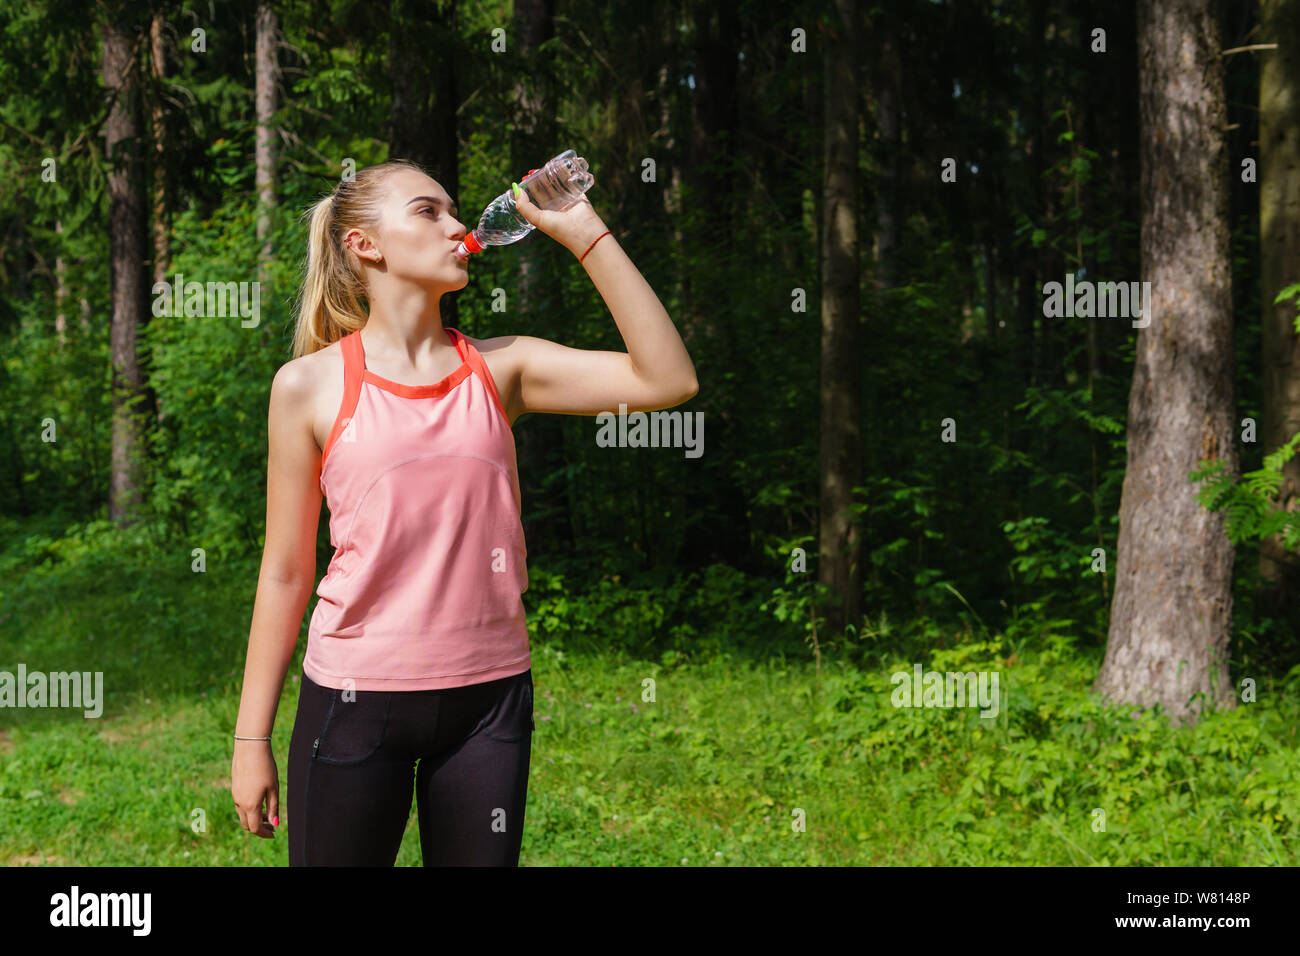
point(593, 242)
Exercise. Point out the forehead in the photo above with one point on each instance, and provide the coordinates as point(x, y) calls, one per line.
point(408, 183)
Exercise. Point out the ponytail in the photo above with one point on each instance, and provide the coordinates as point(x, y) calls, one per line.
point(333, 292)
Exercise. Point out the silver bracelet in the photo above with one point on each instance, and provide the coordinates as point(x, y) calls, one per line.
point(237, 737)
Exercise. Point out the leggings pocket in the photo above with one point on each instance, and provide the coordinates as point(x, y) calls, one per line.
point(353, 730)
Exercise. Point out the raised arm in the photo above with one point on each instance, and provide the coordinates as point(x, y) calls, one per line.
point(654, 373)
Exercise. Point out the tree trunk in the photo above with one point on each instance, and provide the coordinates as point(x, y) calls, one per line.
point(841, 361)
point(20, 239)
point(158, 57)
point(127, 255)
point(1171, 617)
point(532, 140)
point(158, 210)
point(267, 97)
point(60, 285)
point(888, 150)
point(1279, 246)
point(714, 129)
point(422, 75)
point(887, 157)
point(712, 203)
point(1028, 327)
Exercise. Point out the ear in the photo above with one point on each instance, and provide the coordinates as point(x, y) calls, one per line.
point(361, 245)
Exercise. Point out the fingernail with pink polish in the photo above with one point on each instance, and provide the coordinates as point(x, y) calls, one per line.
point(275, 820)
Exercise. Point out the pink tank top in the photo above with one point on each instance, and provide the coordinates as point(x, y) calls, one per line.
point(424, 589)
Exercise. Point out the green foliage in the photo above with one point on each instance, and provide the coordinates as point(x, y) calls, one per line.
point(1039, 554)
point(705, 752)
point(1250, 504)
point(1290, 292)
point(213, 376)
point(975, 553)
point(649, 614)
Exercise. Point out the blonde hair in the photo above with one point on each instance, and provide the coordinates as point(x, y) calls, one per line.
point(333, 287)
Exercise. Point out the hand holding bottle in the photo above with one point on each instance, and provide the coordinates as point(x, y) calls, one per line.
point(555, 187)
point(574, 228)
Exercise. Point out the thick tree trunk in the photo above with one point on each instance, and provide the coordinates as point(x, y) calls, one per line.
point(267, 97)
point(841, 361)
point(412, 61)
point(887, 157)
point(534, 140)
point(1028, 329)
point(713, 196)
point(714, 128)
point(127, 254)
point(1171, 616)
point(422, 75)
point(885, 83)
point(1279, 246)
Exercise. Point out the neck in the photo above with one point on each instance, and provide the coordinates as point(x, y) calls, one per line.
point(407, 325)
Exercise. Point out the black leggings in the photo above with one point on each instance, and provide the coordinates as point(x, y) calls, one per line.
point(352, 765)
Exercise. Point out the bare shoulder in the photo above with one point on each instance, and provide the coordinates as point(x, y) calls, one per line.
point(504, 356)
point(504, 346)
point(303, 387)
point(294, 378)
point(509, 351)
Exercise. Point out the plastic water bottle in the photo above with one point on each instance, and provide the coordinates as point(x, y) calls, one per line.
point(557, 185)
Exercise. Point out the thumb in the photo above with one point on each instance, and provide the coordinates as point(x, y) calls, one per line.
point(273, 806)
point(524, 203)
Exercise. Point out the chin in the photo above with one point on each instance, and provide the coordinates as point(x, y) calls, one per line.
point(440, 284)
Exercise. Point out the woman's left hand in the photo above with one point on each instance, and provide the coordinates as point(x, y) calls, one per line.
point(574, 228)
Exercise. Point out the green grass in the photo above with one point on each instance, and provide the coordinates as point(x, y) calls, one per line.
point(714, 771)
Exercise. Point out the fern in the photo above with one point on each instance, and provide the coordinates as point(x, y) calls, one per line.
point(1290, 292)
point(1250, 504)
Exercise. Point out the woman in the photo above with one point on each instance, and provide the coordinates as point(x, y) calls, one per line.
point(417, 667)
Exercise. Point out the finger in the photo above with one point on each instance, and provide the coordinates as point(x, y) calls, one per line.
point(263, 818)
point(259, 826)
point(248, 819)
point(524, 203)
point(273, 806)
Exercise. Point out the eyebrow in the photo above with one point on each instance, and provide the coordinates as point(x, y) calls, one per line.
point(436, 201)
